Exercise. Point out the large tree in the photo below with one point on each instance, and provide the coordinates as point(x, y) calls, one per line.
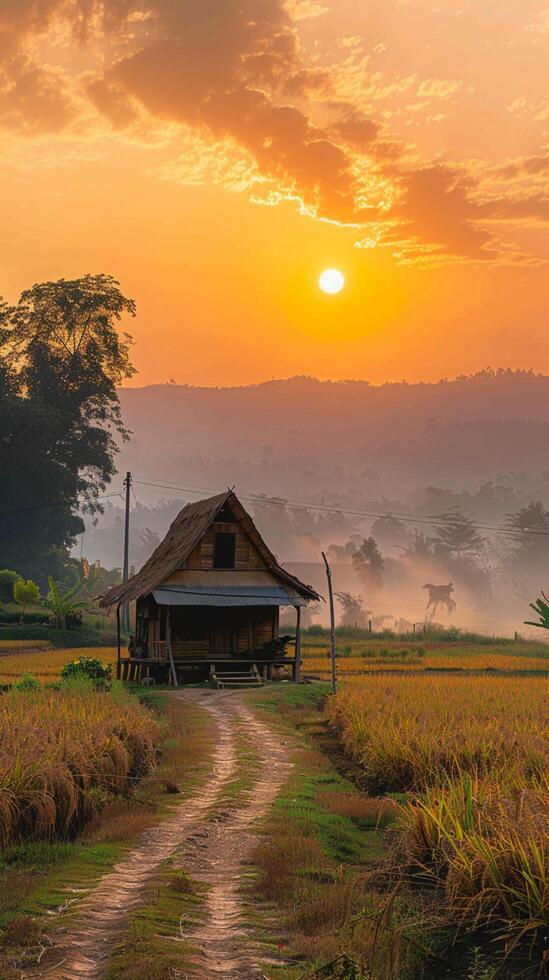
point(368, 563)
point(458, 535)
point(61, 359)
point(528, 541)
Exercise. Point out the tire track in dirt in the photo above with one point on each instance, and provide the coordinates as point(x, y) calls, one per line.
point(215, 852)
point(226, 948)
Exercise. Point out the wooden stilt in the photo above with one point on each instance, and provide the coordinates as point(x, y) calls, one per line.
point(169, 645)
point(118, 653)
point(297, 671)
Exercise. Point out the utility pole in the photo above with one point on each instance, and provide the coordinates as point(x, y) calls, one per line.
point(332, 625)
point(126, 568)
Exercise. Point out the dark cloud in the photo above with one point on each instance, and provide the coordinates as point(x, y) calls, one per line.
point(226, 71)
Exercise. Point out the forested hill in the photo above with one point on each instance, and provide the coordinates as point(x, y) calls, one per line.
point(301, 433)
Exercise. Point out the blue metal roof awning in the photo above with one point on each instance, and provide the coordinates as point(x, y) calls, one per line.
point(227, 595)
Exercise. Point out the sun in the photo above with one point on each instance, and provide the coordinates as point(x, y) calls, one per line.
point(331, 281)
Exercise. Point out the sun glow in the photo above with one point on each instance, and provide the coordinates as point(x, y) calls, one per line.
point(331, 281)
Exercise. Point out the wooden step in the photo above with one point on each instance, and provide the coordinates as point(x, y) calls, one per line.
point(237, 684)
point(235, 679)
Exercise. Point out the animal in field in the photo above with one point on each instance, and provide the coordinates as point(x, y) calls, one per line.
point(439, 595)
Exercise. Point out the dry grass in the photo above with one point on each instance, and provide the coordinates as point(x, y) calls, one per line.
point(47, 665)
point(64, 755)
point(370, 811)
point(484, 842)
point(474, 753)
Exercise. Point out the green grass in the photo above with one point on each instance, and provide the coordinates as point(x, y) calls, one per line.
point(311, 860)
point(35, 878)
point(151, 946)
point(342, 839)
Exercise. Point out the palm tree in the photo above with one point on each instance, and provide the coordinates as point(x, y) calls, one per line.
point(541, 607)
point(62, 605)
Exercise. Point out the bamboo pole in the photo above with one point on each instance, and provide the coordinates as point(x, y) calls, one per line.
point(126, 567)
point(332, 625)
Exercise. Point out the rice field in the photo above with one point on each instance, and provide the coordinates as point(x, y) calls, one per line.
point(24, 645)
point(472, 756)
point(376, 655)
point(63, 755)
point(45, 666)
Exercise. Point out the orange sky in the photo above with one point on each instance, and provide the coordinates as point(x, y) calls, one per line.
point(217, 155)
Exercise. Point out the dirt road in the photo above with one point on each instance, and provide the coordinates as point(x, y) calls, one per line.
point(215, 836)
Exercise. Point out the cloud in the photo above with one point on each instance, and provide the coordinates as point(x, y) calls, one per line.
point(532, 166)
point(255, 113)
point(33, 99)
point(438, 88)
point(305, 9)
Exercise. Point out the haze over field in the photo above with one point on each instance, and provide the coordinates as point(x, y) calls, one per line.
point(351, 439)
point(413, 451)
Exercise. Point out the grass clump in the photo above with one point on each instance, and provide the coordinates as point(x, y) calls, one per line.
point(483, 843)
point(472, 755)
point(62, 753)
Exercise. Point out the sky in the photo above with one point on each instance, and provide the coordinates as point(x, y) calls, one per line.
point(215, 156)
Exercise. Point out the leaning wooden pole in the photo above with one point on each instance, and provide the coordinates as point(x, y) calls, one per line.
point(126, 565)
point(332, 625)
point(169, 645)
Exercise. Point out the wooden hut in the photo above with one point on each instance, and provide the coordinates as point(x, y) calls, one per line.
point(207, 602)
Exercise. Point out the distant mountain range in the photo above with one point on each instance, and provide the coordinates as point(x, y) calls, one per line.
point(302, 437)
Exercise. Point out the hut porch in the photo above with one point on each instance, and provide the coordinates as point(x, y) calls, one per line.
point(208, 599)
point(176, 634)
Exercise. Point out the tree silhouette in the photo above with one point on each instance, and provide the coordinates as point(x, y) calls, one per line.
point(368, 564)
point(459, 535)
point(61, 360)
point(352, 613)
point(529, 549)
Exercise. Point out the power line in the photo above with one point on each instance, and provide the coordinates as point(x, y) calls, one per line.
point(67, 502)
point(256, 498)
point(334, 509)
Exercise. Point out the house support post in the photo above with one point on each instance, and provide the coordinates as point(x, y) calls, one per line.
point(297, 668)
point(118, 654)
point(169, 645)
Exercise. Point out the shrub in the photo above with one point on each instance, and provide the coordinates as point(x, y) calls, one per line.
point(91, 668)
point(28, 618)
point(25, 593)
point(27, 683)
point(8, 578)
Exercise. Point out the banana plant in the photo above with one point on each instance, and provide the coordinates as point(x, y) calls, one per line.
point(63, 604)
point(541, 607)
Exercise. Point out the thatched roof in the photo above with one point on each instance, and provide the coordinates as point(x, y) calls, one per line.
point(185, 532)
